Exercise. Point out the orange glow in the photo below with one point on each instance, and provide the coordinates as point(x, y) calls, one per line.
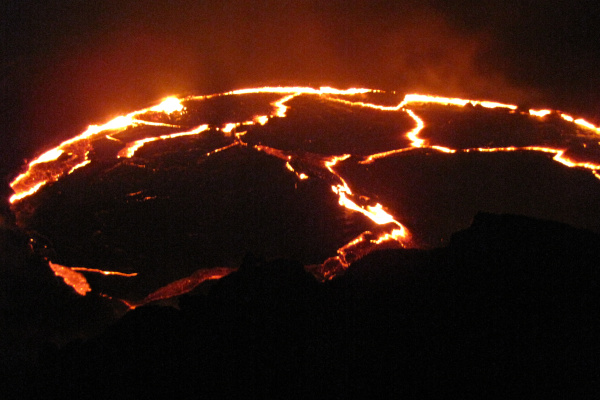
point(300, 90)
point(446, 101)
point(375, 213)
point(444, 149)
point(112, 138)
point(558, 156)
point(229, 127)
point(100, 271)
point(37, 175)
point(72, 278)
point(262, 119)
point(32, 180)
point(356, 249)
point(379, 216)
point(331, 162)
point(210, 153)
point(132, 147)
point(367, 105)
point(396, 235)
point(50, 155)
point(581, 123)
point(413, 135)
point(73, 154)
point(374, 157)
point(300, 176)
point(168, 106)
point(567, 117)
point(539, 113)
point(273, 152)
point(22, 194)
point(80, 165)
point(184, 285)
point(281, 107)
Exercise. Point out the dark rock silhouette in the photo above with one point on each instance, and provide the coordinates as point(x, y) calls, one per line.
point(508, 309)
point(38, 312)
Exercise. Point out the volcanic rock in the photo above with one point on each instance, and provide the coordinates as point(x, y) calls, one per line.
point(507, 309)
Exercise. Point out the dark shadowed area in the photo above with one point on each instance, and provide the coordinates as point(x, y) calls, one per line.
point(506, 310)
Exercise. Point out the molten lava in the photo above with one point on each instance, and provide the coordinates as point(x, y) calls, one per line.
point(184, 285)
point(72, 278)
point(74, 154)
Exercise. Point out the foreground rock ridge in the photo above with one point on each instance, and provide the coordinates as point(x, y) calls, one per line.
point(508, 309)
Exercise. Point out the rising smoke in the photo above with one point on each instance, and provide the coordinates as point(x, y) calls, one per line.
point(71, 64)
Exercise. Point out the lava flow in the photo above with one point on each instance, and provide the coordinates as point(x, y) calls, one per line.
point(171, 114)
point(72, 278)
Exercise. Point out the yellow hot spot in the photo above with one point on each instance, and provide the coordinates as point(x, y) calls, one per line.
point(229, 127)
point(493, 104)
point(299, 90)
point(378, 215)
point(567, 117)
point(262, 119)
point(586, 124)
point(50, 155)
point(421, 98)
point(168, 105)
point(444, 149)
point(121, 122)
point(330, 90)
point(539, 113)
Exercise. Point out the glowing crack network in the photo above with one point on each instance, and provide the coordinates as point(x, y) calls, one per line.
point(74, 154)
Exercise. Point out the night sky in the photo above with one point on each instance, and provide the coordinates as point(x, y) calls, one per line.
point(66, 64)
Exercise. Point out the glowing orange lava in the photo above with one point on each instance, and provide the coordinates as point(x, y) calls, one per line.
point(131, 148)
point(100, 271)
point(73, 154)
point(72, 278)
point(184, 285)
point(39, 173)
point(426, 99)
